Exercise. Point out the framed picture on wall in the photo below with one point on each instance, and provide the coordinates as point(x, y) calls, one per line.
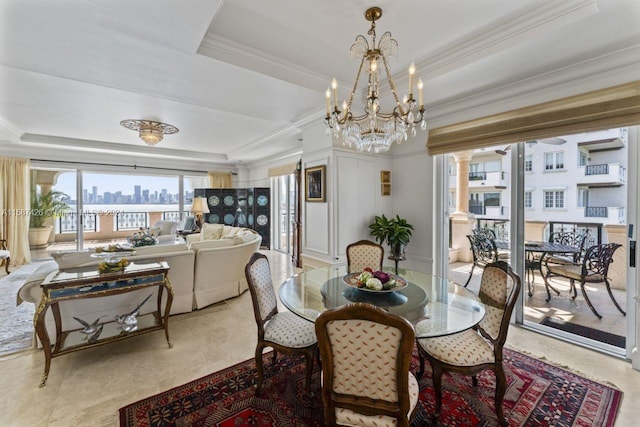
point(315, 184)
point(386, 189)
point(385, 177)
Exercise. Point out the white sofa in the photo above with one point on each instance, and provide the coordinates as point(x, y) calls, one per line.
point(219, 266)
point(201, 273)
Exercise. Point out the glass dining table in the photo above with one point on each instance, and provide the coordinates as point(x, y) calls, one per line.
point(434, 305)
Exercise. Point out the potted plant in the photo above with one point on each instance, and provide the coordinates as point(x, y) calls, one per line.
point(43, 207)
point(396, 232)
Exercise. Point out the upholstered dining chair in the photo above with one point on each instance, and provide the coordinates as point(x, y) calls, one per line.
point(5, 255)
point(364, 253)
point(283, 331)
point(480, 348)
point(365, 354)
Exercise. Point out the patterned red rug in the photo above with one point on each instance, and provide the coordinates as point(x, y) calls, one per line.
point(538, 394)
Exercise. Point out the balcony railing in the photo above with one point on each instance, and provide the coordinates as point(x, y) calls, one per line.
point(131, 220)
point(477, 210)
point(171, 216)
point(596, 212)
point(603, 175)
point(67, 223)
point(596, 169)
point(499, 226)
point(477, 176)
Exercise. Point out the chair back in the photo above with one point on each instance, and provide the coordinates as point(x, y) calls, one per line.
point(365, 353)
point(575, 239)
point(484, 249)
point(364, 253)
point(265, 303)
point(597, 259)
point(499, 291)
point(484, 232)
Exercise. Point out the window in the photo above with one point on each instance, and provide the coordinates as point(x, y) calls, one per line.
point(528, 199)
point(528, 163)
point(583, 158)
point(492, 199)
point(554, 199)
point(583, 197)
point(554, 161)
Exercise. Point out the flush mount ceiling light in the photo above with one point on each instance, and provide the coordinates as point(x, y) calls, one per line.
point(150, 132)
point(374, 131)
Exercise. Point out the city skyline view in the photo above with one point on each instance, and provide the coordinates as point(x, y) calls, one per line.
point(123, 189)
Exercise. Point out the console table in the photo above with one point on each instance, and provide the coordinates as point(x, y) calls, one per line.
point(81, 283)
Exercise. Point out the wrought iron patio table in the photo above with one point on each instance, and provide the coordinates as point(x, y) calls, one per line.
point(434, 305)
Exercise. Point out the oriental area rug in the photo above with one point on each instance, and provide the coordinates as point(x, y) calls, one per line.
point(538, 394)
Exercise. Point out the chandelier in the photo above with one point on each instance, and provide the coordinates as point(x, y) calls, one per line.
point(150, 132)
point(374, 131)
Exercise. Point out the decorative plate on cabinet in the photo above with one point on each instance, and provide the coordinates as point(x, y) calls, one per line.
point(228, 219)
point(250, 200)
point(213, 219)
point(228, 200)
point(214, 200)
point(262, 219)
point(263, 200)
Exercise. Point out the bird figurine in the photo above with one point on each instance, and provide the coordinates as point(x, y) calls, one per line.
point(88, 328)
point(94, 338)
point(128, 320)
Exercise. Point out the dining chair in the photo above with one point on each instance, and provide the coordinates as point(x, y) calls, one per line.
point(5, 255)
point(364, 253)
point(484, 251)
point(569, 238)
point(479, 348)
point(282, 331)
point(594, 268)
point(365, 354)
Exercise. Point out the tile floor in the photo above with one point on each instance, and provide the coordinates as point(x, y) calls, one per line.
point(86, 388)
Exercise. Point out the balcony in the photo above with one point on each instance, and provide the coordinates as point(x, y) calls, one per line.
point(602, 175)
point(491, 180)
point(605, 214)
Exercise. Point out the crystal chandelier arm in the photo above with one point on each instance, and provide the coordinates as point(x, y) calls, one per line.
point(353, 90)
point(393, 86)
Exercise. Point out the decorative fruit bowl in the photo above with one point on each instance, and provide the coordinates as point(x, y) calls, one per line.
point(374, 281)
point(112, 254)
point(112, 267)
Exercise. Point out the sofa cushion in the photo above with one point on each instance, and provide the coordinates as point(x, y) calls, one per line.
point(166, 227)
point(208, 244)
point(211, 231)
point(68, 259)
point(160, 249)
point(243, 238)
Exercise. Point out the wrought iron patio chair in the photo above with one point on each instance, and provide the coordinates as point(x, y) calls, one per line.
point(484, 252)
point(593, 268)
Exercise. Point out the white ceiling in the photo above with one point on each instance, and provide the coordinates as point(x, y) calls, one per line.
point(239, 77)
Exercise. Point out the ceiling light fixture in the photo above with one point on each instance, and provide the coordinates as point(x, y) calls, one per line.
point(374, 131)
point(150, 132)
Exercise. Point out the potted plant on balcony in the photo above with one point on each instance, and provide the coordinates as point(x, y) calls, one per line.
point(44, 206)
point(396, 232)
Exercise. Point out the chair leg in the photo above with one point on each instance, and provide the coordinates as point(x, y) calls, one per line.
point(546, 285)
point(474, 380)
point(586, 298)
point(437, 388)
point(572, 287)
point(470, 274)
point(7, 261)
point(612, 297)
point(260, 367)
point(501, 388)
point(310, 355)
point(421, 356)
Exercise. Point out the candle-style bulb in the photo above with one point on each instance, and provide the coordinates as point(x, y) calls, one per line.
point(334, 84)
point(420, 86)
point(374, 65)
point(412, 69)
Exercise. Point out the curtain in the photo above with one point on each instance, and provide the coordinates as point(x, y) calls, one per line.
point(608, 108)
point(220, 180)
point(14, 206)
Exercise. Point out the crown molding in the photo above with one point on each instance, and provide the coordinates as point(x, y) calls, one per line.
point(232, 52)
point(91, 146)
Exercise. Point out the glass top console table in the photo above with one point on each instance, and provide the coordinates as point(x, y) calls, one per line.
point(435, 306)
point(83, 283)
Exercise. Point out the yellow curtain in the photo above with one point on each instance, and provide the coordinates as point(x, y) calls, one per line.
point(220, 180)
point(14, 206)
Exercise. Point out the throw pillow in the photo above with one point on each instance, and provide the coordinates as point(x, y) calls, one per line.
point(211, 231)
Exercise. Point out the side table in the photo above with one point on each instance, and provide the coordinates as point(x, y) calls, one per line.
point(75, 284)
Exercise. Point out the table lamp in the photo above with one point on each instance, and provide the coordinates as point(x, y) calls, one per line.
point(199, 208)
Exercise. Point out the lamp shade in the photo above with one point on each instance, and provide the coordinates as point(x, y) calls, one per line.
point(200, 205)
